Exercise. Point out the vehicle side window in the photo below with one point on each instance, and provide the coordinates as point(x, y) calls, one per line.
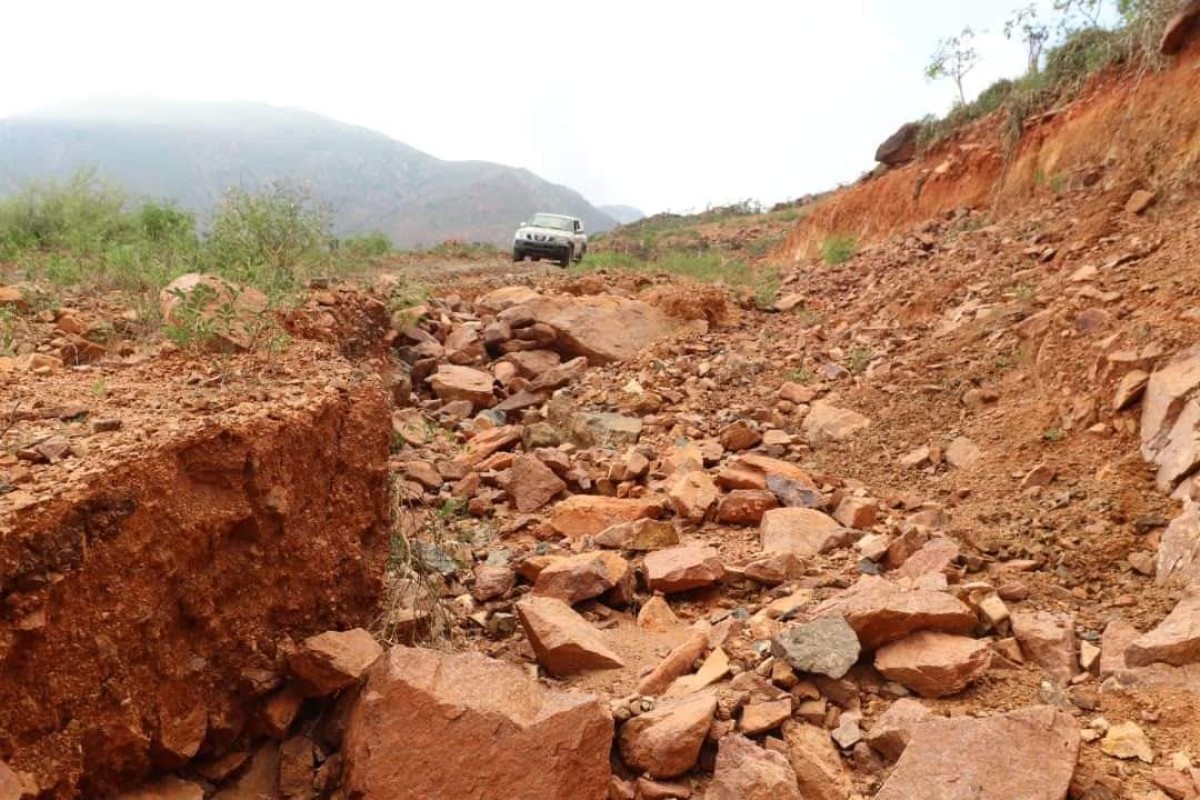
point(577, 226)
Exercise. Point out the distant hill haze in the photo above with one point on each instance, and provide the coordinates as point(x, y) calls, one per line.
point(193, 153)
point(623, 214)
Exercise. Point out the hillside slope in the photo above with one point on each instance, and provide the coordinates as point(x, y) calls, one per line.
point(194, 153)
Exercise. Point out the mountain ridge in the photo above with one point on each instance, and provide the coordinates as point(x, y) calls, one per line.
point(193, 153)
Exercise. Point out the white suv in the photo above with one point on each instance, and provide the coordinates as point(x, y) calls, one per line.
point(550, 236)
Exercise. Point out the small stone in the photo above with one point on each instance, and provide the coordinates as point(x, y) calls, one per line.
point(934, 664)
point(962, 453)
point(532, 484)
point(759, 718)
point(1127, 741)
point(746, 506)
point(577, 578)
point(859, 513)
point(665, 742)
point(740, 436)
point(745, 771)
point(803, 532)
point(892, 731)
point(332, 661)
point(1048, 640)
point(692, 495)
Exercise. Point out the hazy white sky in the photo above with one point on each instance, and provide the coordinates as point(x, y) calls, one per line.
point(661, 104)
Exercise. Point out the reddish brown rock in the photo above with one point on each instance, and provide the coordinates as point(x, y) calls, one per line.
point(1175, 641)
point(681, 569)
point(677, 663)
point(692, 495)
point(665, 742)
point(859, 513)
point(296, 769)
point(488, 443)
point(532, 484)
point(759, 718)
point(901, 147)
point(533, 364)
point(745, 771)
point(492, 581)
point(827, 424)
point(603, 328)
point(564, 642)
point(643, 535)
point(740, 436)
point(452, 382)
point(820, 774)
point(577, 578)
point(656, 615)
point(332, 661)
point(745, 506)
point(1029, 754)
point(1047, 640)
point(803, 532)
point(773, 569)
point(751, 471)
point(1179, 551)
point(259, 780)
point(934, 664)
point(892, 731)
point(432, 725)
point(588, 515)
point(882, 612)
point(935, 557)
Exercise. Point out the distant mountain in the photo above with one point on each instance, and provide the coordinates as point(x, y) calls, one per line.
point(193, 153)
point(623, 214)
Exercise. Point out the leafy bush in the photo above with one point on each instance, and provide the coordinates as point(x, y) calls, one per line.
point(368, 245)
point(266, 238)
point(839, 249)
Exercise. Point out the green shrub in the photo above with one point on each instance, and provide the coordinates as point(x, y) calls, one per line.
point(269, 237)
point(839, 249)
point(368, 245)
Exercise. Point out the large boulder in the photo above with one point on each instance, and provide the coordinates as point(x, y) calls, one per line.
point(1028, 754)
point(452, 382)
point(900, 147)
point(435, 726)
point(603, 328)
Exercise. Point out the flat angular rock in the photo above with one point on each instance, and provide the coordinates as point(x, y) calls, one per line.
point(1127, 741)
point(1176, 640)
point(882, 612)
point(601, 429)
point(751, 471)
point(1028, 754)
point(603, 328)
point(665, 742)
point(532, 364)
point(532, 484)
point(433, 725)
point(962, 453)
point(1130, 388)
point(1048, 640)
point(641, 536)
point(826, 424)
point(332, 661)
point(577, 578)
point(1179, 552)
point(802, 532)
point(892, 731)
point(934, 664)
point(588, 515)
point(745, 771)
point(681, 569)
point(826, 646)
point(820, 774)
point(656, 615)
point(745, 506)
point(452, 382)
point(677, 663)
point(859, 513)
point(692, 495)
point(486, 444)
point(564, 642)
point(758, 718)
point(1170, 416)
point(935, 557)
point(740, 436)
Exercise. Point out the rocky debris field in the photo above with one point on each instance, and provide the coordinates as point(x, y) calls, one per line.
point(927, 529)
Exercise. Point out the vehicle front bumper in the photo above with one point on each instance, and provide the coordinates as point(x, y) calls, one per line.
point(529, 247)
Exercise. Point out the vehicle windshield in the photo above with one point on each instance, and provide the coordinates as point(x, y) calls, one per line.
point(552, 222)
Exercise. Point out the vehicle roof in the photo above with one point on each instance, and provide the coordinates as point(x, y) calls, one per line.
point(547, 214)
